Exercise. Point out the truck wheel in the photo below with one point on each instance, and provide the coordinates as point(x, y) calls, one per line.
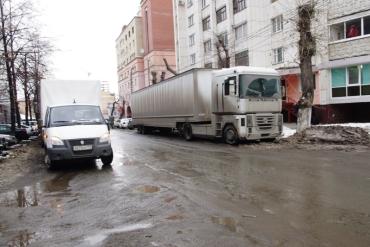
point(231, 135)
point(48, 162)
point(187, 132)
point(107, 160)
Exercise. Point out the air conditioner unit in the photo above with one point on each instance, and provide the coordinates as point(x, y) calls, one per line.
point(181, 2)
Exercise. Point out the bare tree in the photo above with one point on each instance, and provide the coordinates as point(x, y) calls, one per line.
point(307, 49)
point(223, 53)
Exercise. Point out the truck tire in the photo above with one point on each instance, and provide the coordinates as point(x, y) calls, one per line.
point(187, 132)
point(48, 162)
point(107, 160)
point(231, 135)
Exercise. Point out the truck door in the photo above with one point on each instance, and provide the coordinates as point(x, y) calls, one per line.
point(229, 96)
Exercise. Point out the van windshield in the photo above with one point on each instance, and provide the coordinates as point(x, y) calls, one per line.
point(75, 115)
point(257, 86)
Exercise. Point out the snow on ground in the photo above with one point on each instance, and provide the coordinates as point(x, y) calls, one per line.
point(291, 130)
point(287, 132)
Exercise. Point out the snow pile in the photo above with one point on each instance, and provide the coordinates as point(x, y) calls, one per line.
point(287, 132)
point(333, 134)
point(365, 126)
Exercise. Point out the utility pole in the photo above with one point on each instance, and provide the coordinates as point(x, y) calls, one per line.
point(307, 49)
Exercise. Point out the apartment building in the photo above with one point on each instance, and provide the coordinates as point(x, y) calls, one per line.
point(141, 48)
point(341, 64)
point(158, 34)
point(130, 61)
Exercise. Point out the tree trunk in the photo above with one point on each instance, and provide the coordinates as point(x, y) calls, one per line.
point(7, 65)
point(307, 49)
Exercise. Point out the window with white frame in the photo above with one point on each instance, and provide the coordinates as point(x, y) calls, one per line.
point(350, 29)
point(278, 55)
point(224, 39)
point(351, 81)
point(242, 58)
point(192, 59)
point(191, 20)
point(192, 40)
point(277, 24)
point(241, 31)
point(207, 46)
point(190, 3)
point(221, 14)
point(206, 23)
point(204, 3)
point(239, 5)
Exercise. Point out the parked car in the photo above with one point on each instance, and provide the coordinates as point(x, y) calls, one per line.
point(130, 125)
point(7, 140)
point(124, 122)
point(116, 123)
point(20, 133)
point(33, 125)
point(29, 129)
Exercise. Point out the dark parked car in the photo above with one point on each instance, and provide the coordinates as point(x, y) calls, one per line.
point(20, 133)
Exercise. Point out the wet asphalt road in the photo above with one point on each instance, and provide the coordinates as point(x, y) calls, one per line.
point(163, 191)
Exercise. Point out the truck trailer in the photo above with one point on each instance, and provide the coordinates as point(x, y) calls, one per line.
point(73, 124)
point(240, 103)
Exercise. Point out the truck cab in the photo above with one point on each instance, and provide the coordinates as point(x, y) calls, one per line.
point(246, 103)
point(75, 132)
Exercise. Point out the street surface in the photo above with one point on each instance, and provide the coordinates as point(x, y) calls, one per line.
point(164, 191)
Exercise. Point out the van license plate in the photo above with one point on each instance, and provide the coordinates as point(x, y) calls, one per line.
point(82, 148)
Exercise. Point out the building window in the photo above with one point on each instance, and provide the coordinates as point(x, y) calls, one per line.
point(208, 65)
point(191, 20)
point(204, 3)
point(207, 46)
point(242, 58)
point(133, 30)
point(239, 5)
point(351, 81)
point(192, 59)
point(206, 23)
point(277, 24)
point(278, 55)
point(190, 3)
point(241, 31)
point(224, 39)
point(221, 14)
point(192, 40)
point(350, 29)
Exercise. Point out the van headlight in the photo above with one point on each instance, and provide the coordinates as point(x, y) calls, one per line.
point(54, 141)
point(280, 120)
point(105, 138)
point(249, 121)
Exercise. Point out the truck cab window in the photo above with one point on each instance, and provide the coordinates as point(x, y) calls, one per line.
point(230, 86)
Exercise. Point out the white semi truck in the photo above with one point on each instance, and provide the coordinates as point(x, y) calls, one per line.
point(73, 125)
point(240, 103)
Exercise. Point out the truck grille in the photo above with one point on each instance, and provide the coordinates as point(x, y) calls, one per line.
point(80, 142)
point(265, 122)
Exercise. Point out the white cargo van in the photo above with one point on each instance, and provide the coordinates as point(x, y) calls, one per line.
point(73, 125)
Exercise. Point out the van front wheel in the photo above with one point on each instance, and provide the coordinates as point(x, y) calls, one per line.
point(107, 160)
point(231, 135)
point(187, 132)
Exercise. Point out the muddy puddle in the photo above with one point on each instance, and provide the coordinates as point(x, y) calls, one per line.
point(227, 222)
point(22, 239)
point(148, 189)
point(31, 196)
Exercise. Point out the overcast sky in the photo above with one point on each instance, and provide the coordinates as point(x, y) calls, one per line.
point(84, 32)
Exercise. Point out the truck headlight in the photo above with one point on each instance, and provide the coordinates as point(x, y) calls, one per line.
point(54, 141)
point(105, 138)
